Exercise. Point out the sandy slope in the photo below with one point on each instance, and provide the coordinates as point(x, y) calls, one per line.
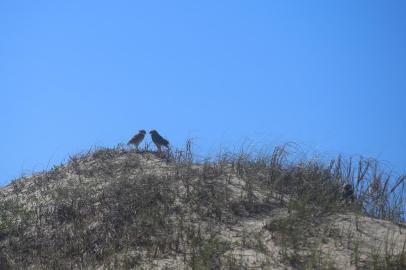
point(344, 241)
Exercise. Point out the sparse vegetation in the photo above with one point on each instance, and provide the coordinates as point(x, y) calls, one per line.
point(119, 208)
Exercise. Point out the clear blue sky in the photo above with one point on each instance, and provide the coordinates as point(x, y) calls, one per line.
point(74, 74)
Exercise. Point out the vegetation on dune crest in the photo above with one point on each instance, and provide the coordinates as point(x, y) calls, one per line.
point(119, 208)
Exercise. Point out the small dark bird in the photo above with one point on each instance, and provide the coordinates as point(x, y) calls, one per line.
point(137, 139)
point(348, 193)
point(158, 140)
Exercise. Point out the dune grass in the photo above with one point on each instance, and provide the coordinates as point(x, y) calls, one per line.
point(105, 207)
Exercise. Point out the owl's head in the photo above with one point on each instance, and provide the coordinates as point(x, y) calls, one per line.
point(347, 187)
point(142, 131)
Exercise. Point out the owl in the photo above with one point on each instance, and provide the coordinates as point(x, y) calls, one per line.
point(137, 139)
point(158, 140)
point(347, 193)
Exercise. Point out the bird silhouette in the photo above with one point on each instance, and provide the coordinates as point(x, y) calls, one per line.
point(348, 193)
point(137, 139)
point(158, 140)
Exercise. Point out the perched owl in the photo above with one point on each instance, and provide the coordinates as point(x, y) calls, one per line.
point(137, 139)
point(158, 140)
point(347, 193)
